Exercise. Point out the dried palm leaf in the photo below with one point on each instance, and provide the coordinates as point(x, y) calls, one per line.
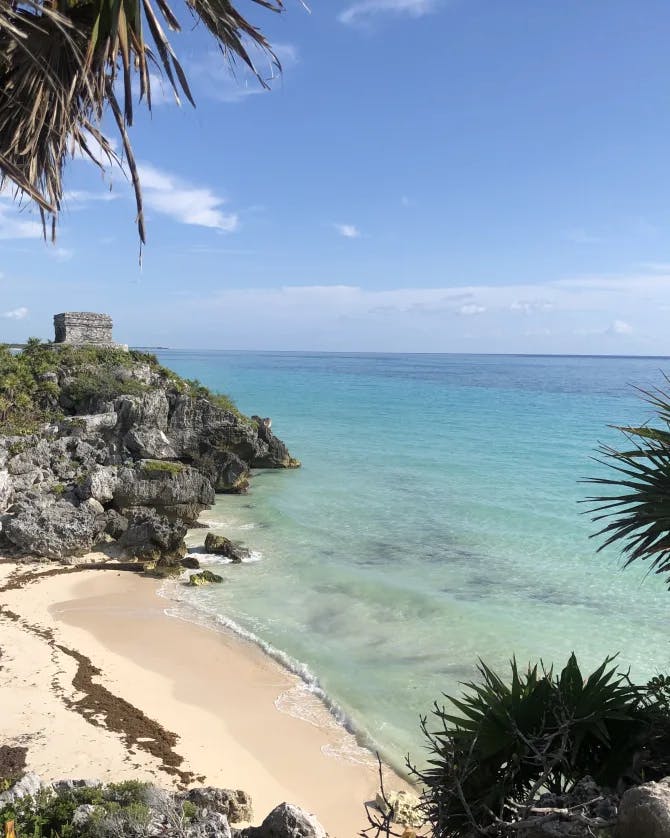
point(59, 66)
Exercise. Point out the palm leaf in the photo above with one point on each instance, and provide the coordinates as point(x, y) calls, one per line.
point(635, 514)
point(59, 64)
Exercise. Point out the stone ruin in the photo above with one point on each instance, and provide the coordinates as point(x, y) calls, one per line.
point(84, 328)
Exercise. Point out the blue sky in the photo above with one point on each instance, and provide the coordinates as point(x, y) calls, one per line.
point(427, 175)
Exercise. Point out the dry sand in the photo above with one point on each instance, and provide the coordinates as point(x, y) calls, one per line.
point(215, 691)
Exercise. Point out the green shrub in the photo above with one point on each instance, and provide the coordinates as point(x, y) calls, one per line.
point(159, 466)
point(121, 809)
point(541, 731)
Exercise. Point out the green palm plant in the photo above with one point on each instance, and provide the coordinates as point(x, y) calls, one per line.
point(636, 511)
point(505, 743)
point(62, 65)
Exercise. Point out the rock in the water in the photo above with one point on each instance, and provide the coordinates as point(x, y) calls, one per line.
point(204, 577)
point(235, 804)
point(219, 545)
point(403, 805)
point(644, 811)
point(190, 563)
point(287, 821)
point(55, 530)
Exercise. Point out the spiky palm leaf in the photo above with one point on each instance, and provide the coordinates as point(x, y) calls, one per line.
point(59, 65)
point(637, 510)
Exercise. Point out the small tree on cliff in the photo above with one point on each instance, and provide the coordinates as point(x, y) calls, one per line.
point(636, 511)
point(63, 63)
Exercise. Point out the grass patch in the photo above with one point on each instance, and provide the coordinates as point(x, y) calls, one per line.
point(162, 466)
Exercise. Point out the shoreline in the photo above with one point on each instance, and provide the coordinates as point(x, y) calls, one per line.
point(126, 690)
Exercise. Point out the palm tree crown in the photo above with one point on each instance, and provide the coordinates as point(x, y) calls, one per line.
point(62, 65)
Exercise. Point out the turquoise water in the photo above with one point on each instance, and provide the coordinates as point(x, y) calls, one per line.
point(435, 521)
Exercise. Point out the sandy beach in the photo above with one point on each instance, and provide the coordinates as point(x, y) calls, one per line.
point(98, 681)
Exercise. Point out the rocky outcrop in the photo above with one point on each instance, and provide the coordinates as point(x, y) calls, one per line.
point(135, 469)
point(146, 811)
point(645, 811)
point(287, 821)
point(403, 807)
point(234, 804)
point(56, 530)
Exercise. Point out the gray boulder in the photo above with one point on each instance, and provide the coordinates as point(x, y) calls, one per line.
point(151, 536)
point(6, 489)
point(235, 804)
point(99, 484)
point(149, 443)
point(210, 825)
point(287, 821)
point(644, 811)
point(219, 545)
point(55, 530)
point(150, 410)
point(173, 489)
point(28, 786)
point(226, 471)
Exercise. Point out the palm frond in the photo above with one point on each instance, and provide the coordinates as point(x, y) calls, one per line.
point(636, 512)
point(62, 63)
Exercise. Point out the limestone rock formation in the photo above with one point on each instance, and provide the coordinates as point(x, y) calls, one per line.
point(287, 821)
point(235, 804)
point(645, 811)
point(128, 452)
point(403, 806)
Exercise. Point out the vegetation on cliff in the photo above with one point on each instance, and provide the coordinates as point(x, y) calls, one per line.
point(100, 446)
point(46, 382)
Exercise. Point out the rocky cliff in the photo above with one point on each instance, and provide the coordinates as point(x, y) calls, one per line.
point(102, 447)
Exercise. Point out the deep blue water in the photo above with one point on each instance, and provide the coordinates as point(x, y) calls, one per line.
point(436, 520)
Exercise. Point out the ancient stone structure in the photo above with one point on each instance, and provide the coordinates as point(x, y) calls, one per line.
point(84, 328)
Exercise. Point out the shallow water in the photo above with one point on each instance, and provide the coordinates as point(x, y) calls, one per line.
point(435, 521)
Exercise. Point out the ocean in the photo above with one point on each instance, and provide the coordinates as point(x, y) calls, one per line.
point(436, 520)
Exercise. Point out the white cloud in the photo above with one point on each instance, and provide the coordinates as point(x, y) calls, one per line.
point(531, 306)
point(61, 254)
point(470, 309)
point(198, 205)
point(16, 313)
point(80, 198)
point(365, 9)
point(580, 236)
point(620, 327)
point(579, 315)
point(15, 221)
point(212, 76)
point(349, 231)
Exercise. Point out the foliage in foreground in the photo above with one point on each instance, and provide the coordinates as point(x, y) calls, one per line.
point(543, 731)
point(121, 809)
point(44, 383)
point(636, 511)
point(64, 65)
